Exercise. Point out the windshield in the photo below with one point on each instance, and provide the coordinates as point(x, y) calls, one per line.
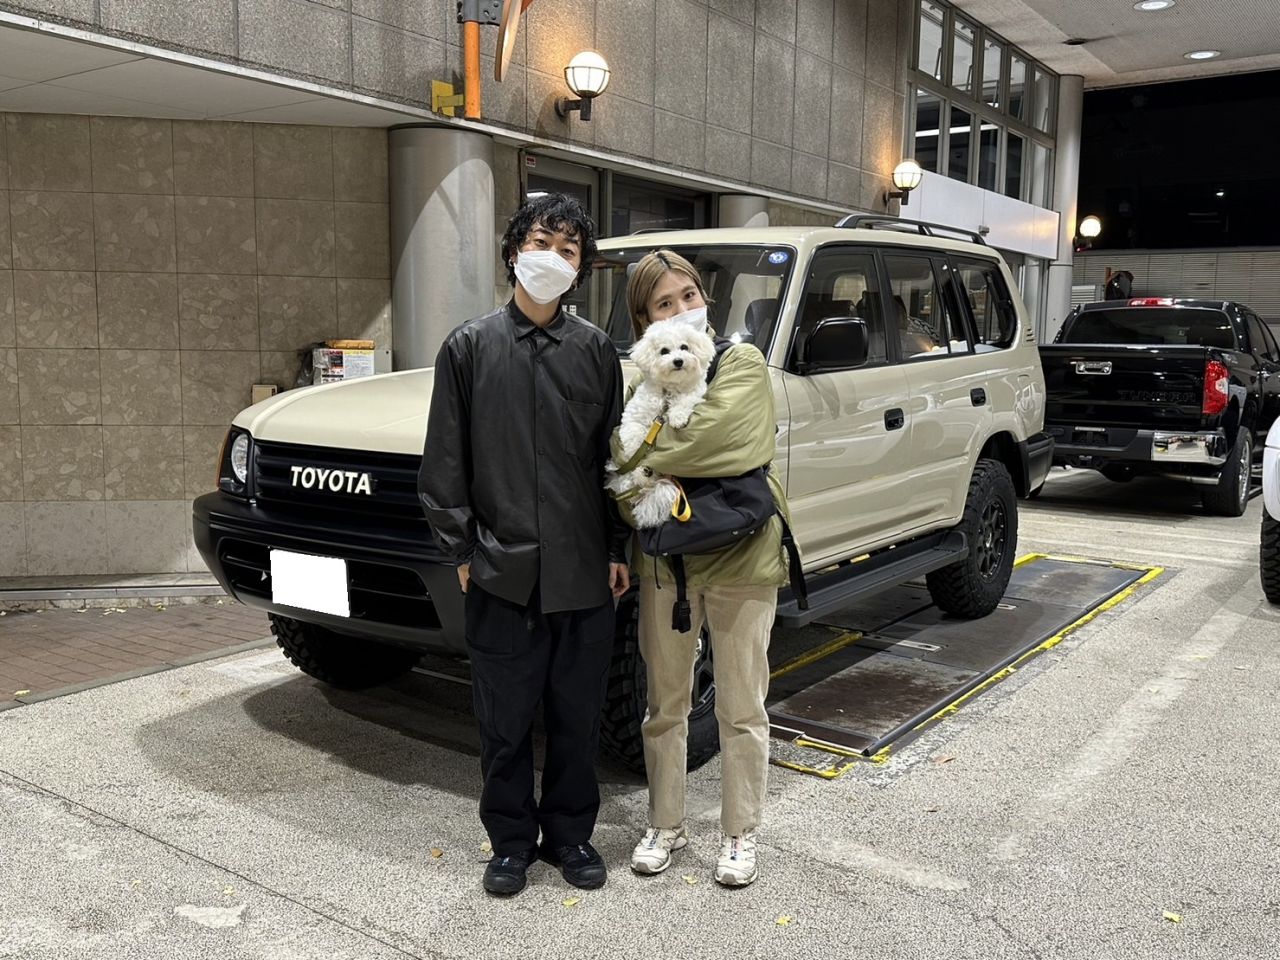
point(1168, 326)
point(744, 282)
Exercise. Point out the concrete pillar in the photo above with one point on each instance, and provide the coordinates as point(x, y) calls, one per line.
point(1066, 187)
point(443, 258)
point(743, 210)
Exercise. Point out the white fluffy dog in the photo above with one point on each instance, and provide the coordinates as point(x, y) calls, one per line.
point(674, 356)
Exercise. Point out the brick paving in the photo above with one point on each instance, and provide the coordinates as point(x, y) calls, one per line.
point(48, 652)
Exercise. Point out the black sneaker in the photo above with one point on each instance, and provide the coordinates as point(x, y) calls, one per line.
point(579, 863)
point(505, 876)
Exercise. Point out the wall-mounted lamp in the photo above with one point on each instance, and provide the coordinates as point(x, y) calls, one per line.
point(906, 177)
point(1087, 229)
point(587, 75)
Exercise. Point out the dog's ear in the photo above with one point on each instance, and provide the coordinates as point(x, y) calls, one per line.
point(704, 348)
point(644, 353)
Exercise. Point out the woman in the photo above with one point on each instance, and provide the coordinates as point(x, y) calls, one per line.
point(734, 591)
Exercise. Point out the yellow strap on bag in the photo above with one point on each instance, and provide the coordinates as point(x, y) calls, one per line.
point(682, 510)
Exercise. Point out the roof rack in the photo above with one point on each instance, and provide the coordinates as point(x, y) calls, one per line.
point(865, 221)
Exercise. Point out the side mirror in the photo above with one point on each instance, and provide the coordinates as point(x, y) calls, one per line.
point(835, 344)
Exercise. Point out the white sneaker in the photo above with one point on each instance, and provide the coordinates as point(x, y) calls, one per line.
point(653, 853)
point(737, 864)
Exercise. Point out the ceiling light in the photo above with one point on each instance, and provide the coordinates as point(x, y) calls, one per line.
point(1202, 54)
point(1220, 193)
point(1154, 4)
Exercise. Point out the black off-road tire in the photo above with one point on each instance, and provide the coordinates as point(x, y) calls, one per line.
point(1116, 473)
point(350, 663)
point(1230, 496)
point(972, 587)
point(1269, 557)
point(626, 699)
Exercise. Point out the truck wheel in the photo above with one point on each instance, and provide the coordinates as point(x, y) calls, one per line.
point(1269, 557)
point(626, 699)
point(1230, 496)
point(1116, 473)
point(351, 663)
point(973, 586)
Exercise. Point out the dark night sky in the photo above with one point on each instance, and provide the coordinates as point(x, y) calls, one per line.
point(1153, 158)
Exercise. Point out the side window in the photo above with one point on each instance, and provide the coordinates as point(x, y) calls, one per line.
point(842, 283)
point(1260, 338)
point(923, 321)
point(995, 318)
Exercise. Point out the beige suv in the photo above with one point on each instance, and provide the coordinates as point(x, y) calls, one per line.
point(910, 404)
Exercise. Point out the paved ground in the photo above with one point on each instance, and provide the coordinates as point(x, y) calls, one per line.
point(234, 808)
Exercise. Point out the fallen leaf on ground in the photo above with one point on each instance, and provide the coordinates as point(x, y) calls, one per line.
point(21, 693)
point(228, 891)
point(690, 879)
point(783, 921)
point(436, 853)
point(573, 901)
point(942, 758)
point(1173, 917)
point(159, 606)
point(486, 847)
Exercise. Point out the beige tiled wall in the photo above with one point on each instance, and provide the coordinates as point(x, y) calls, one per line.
point(151, 271)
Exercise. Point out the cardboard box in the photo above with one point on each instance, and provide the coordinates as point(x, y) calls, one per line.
point(342, 360)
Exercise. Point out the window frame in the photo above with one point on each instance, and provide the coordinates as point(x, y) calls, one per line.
point(792, 357)
point(987, 264)
point(943, 283)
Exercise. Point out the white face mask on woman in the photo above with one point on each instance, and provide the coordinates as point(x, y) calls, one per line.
point(544, 274)
point(696, 318)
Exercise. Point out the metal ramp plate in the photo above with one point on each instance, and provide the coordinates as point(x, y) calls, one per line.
point(868, 690)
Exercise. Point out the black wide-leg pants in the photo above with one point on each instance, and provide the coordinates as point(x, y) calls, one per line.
point(520, 657)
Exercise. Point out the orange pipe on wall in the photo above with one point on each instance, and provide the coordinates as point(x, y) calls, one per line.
point(471, 69)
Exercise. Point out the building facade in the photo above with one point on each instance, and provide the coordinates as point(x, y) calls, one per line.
point(192, 194)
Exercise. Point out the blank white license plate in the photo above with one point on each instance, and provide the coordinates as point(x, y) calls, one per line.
point(310, 583)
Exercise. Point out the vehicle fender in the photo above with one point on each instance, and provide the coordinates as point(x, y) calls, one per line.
point(1271, 471)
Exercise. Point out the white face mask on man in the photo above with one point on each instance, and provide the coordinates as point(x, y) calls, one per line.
point(695, 318)
point(544, 274)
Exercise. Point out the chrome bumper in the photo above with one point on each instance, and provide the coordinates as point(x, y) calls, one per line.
point(1202, 448)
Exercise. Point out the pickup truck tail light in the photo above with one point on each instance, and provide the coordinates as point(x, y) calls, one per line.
point(1215, 388)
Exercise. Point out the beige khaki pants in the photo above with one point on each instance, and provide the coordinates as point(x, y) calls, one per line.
point(739, 620)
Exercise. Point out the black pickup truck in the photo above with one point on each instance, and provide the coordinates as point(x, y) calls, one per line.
point(1164, 385)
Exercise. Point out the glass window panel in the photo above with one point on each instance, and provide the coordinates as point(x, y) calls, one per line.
point(925, 322)
point(928, 122)
point(994, 315)
point(1038, 177)
point(930, 50)
point(1013, 165)
point(962, 56)
point(959, 147)
point(1041, 100)
point(992, 68)
point(842, 283)
point(1017, 86)
point(988, 154)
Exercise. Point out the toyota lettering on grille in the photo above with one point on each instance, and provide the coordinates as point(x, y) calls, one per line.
point(332, 480)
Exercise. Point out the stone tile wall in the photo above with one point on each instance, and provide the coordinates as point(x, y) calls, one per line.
point(151, 271)
point(800, 96)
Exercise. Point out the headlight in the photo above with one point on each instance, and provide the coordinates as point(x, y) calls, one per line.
point(240, 457)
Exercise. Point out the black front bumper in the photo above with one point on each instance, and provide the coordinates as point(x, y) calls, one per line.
point(403, 589)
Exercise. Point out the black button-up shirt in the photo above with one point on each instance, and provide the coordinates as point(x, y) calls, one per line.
point(512, 477)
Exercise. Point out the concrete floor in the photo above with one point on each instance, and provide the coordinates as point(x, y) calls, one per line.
point(236, 808)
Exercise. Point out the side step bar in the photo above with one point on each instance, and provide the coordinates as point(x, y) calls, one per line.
point(842, 586)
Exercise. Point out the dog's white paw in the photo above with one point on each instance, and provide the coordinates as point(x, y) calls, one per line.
point(653, 507)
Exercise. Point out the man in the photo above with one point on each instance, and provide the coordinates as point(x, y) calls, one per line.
point(512, 483)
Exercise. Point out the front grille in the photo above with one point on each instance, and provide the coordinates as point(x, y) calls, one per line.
point(393, 502)
point(379, 592)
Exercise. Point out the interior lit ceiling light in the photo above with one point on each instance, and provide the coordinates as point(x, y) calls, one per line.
point(1202, 54)
point(1154, 4)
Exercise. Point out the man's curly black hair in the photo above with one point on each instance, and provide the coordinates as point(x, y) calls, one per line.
point(559, 214)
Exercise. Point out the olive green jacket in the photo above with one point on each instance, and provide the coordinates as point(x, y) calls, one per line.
point(731, 431)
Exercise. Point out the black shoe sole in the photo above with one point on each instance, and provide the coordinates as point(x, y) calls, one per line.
point(504, 893)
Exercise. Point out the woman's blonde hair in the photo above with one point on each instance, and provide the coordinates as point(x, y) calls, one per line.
point(645, 277)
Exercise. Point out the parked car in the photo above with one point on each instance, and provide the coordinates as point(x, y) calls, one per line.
point(1269, 551)
point(1163, 385)
point(906, 460)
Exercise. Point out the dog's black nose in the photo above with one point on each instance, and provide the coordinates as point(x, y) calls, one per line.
point(678, 362)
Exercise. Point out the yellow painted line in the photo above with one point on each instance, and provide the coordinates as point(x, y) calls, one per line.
point(882, 755)
point(816, 654)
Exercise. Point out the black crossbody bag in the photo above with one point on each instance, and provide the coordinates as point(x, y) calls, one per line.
point(714, 514)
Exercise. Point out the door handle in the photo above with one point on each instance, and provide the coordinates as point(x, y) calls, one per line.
point(978, 396)
point(894, 419)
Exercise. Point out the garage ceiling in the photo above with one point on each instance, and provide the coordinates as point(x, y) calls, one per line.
point(1127, 46)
